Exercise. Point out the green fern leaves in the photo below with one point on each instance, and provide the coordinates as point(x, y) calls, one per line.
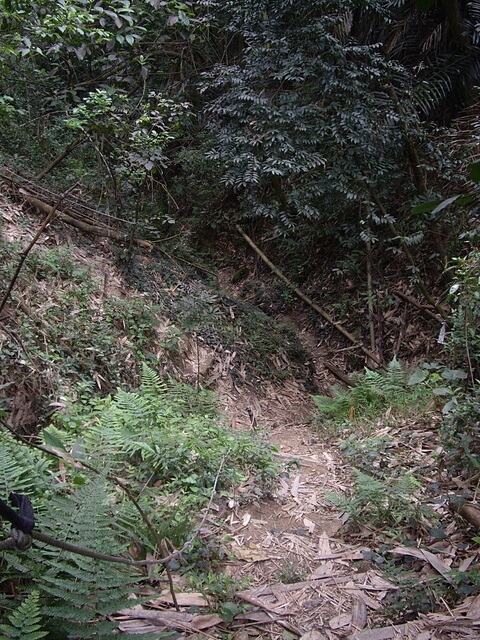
point(381, 504)
point(375, 393)
point(168, 445)
point(25, 623)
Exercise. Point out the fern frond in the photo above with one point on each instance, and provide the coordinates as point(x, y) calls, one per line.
point(152, 384)
point(21, 469)
point(25, 622)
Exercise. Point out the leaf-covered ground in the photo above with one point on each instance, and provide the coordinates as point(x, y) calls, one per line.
point(306, 577)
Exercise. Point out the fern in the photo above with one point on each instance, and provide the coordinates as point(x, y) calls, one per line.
point(381, 503)
point(25, 622)
point(79, 592)
point(152, 384)
point(21, 469)
point(168, 448)
point(375, 392)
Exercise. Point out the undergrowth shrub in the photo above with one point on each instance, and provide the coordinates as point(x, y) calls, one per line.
point(380, 503)
point(460, 432)
point(168, 445)
point(374, 393)
point(64, 328)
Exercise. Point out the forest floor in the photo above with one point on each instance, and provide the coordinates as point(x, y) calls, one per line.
point(305, 579)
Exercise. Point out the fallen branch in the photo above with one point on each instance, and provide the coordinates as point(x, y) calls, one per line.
point(467, 510)
point(421, 307)
point(80, 224)
point(326, 316)
point(59, 159)
point(338, 373)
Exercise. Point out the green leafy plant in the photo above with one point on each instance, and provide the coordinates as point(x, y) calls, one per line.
point(220, 590)
point(168, 446)
point(374, 393)
point(25, 623)
point(291, 571)
point(392, 503)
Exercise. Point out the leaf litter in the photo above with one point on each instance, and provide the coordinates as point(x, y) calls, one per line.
point(306, 581)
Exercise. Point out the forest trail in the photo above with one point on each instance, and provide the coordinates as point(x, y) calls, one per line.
point(304, 579)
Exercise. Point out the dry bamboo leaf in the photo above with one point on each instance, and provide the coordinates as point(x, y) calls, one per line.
point(474, 610)
point(254, 616)
point(246, 519)
point(422, 554)
point(249, 555)
point(295, 486)
point(206, 621)
point(359, 614)
point(342, 620)
point(324, 548)
point(309, 525)
point(313, 635)
point(465, 564)
point(183, 599)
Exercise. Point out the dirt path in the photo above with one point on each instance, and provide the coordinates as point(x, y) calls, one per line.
point(303, 577)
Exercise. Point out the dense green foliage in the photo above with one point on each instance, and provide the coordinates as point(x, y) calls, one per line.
point(341, 134)
point(374, 393)
point(163, 440)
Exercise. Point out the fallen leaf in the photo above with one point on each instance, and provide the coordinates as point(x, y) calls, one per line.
point(309, 525)
point(324, 548)
point(207, 621)
point(474, 611)
point(295, 486)
point(427, 556)
point(254, 616)
point(342, 620)
point(359, 613)
point(183, 599)
point(246, 519)
point(313, 635)
point(249, 555)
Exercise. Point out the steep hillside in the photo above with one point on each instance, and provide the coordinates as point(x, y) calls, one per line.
point(80, 321)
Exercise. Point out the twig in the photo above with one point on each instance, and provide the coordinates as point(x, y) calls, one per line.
point(422, 308)
point(67, 151)
point(467, 352)
point(164, 550)
point(191, 264)
point(24, 254)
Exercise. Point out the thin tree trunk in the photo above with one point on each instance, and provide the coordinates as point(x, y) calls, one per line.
point(73, 145)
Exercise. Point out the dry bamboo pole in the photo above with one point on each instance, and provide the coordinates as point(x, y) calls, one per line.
point(326, 316)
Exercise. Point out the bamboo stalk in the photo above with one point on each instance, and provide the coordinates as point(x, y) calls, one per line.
point(326, 316)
